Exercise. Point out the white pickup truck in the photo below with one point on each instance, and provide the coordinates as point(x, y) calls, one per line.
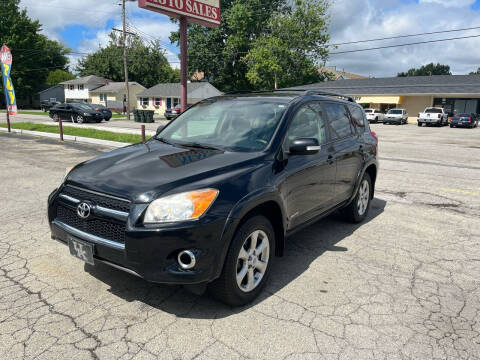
point(433, 115)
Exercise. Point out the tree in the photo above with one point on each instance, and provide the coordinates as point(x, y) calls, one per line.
point(427, 70)
point(475, 72)
point(147, 63)
point(289, 54)
point(57, 76)
point(226, 54)
point(34, 55)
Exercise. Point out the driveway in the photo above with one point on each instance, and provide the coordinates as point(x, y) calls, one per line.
point(403, 285)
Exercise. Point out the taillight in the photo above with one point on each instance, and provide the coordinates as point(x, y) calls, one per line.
point(439, 116)
point(375, 135)
point(469, 120)
point(418, 115)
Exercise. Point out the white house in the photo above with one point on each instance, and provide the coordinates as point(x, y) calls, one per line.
point(79, 89)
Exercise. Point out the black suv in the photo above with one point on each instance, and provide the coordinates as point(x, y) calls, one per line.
point(212, 197)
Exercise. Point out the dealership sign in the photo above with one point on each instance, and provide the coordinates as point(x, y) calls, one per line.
point(202, 12)
point(6, 67)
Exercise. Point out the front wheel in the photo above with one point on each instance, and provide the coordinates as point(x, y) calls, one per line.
point(80, 119)
point(247, 264)
point(55, 117)
point(420, 124)
point(358, 209)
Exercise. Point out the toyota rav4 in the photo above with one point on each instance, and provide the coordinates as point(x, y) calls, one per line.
point(210, 199)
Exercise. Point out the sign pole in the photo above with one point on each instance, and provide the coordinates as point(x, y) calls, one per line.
point(183, 63)
point(8, 121)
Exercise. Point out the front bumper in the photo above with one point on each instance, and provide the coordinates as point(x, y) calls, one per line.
point(151, 252)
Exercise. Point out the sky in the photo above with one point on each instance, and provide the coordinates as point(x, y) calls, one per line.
point(84, 25)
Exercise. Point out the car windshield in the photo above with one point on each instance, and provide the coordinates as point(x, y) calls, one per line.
point(238, 124)
point(367, 111)
point(433, 111)
point(462, 115)
point(82, 106)
point(395, 112)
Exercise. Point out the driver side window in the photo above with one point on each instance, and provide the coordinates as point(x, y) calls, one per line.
point(307, 123)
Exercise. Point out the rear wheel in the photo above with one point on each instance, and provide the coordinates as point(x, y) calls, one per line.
point(55, 117)
point(358, 209)
point(420, 124)
point(80, 119)
point(247, 264)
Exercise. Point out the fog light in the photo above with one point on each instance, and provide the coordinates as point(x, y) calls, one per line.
point(186, 259)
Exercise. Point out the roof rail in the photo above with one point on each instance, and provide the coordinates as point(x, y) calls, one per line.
point(243, 92)
point(320, 92)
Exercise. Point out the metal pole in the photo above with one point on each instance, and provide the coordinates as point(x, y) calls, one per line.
point(183, 64)
point(143, 133)
point(60, 128)
point(125, 68)
point(8, 121)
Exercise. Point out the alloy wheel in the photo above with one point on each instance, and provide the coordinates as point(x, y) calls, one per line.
point(252, 261)
point(363, 197)
point(79, 119)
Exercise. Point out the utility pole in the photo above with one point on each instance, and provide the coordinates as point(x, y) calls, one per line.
point(125, 68)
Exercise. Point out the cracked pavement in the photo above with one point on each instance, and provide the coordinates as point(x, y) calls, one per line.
point(403, 285)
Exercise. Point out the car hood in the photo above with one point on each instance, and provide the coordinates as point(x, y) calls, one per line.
point(142, 172)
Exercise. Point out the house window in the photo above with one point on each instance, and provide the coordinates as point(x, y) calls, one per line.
point(144, 101)
point(71, 87)
point(80, 87)
point(158, 101)
point(176, 101)
point(103, 97)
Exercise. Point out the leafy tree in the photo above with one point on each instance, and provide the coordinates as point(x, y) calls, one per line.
point(251, 41)
point(147, 63)
point(34, 55)
point(475, 72)
point(57, 76)
point(288, 54)
point(427, 70)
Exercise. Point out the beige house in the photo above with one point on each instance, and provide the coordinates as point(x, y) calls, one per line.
point(454, 93)
point(114, 94)
point(163, 96)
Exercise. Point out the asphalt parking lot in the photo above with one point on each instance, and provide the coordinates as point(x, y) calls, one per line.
point(403, 285)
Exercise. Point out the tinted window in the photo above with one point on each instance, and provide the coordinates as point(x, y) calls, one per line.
point(395, 112)
point(368, 111)
point(357, 117)
point(308, 123)
point(433, 111)
point(338, 119)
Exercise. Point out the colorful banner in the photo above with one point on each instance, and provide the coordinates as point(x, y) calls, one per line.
point(6, 67)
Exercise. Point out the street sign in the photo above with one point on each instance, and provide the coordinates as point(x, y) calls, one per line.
point(6, 66)
point(201, 12)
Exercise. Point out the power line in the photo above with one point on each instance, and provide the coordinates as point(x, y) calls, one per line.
point(405, 44)
point(404, 36)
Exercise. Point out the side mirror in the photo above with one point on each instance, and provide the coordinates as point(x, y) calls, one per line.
point(304, 146)
point(159, 129)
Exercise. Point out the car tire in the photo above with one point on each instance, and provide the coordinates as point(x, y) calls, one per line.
point(80, 119)
point(241, 260)
point(451, 125)
point(358, 209)
point(55, 117)
point(420, 124)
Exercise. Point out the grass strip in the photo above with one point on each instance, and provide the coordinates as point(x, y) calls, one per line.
point(67, 130)
point(25, 112)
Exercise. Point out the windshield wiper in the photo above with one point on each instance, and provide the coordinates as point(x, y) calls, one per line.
point(199, 146)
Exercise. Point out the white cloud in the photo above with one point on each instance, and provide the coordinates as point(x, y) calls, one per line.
point(369, 19)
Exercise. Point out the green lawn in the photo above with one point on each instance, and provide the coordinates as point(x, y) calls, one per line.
point(26, 112)
point(67, 130)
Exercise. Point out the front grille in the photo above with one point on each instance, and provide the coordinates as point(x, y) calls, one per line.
point(97, 199)
point(98, 227)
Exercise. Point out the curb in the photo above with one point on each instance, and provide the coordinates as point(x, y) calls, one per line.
point(79, 139)
point(110, 129)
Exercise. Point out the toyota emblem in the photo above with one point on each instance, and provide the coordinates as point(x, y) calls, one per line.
point(83, 210)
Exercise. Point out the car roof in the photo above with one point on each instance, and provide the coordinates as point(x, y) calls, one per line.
point(288, 95)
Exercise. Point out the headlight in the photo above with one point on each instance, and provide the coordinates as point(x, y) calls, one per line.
point(86, 114)
point(179, 207)
point(67, 171)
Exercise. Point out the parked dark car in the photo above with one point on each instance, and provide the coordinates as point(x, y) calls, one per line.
point(465, 120)
point(212, 197)
point(107, 114)
point(46, 105)
point(172, 113)
point(75, 112)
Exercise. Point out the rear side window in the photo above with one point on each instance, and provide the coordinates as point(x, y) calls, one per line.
point(338, 119)
point(357, 118)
